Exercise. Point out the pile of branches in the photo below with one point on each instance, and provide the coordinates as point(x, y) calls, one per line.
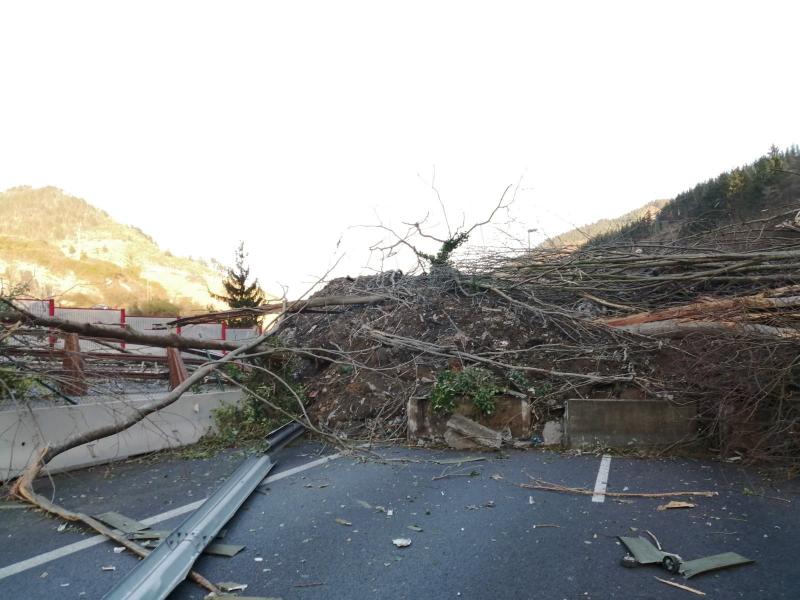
point(724, 303)
point(719, 329)
point(664, 276)
point(716, 328)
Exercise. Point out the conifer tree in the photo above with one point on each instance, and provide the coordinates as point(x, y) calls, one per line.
point(238, 292)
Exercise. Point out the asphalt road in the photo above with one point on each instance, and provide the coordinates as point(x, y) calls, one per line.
point(477, 537)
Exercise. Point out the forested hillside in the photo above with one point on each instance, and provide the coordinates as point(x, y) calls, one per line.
point(580, 235)
point(728, 211)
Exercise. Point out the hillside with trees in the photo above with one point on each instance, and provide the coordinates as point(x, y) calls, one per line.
point(580, 235)
point(57, 245)
point(729, 211)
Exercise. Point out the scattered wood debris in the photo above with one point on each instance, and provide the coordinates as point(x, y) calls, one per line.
point(555, 487)
point(675, 504)
point(681, 586)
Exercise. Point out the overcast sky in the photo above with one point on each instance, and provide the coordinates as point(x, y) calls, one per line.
point(283, 123)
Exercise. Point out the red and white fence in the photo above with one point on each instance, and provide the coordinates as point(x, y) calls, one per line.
point(94, 316)
point(40, 308)
point(145, 324)
point(150, 326)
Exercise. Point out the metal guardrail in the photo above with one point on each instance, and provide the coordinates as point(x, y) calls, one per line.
point(169, 564)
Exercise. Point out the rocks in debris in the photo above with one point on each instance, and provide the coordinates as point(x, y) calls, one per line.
point(473, 432)
point(552, 433)
point(458, 441)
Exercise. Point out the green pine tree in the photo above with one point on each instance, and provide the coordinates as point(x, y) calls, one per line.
point(238, 292)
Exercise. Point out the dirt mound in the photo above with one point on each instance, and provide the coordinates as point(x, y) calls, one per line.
point(385, 354)
point(363, 365)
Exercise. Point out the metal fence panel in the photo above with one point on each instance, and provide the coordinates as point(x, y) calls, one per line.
point(204, 331)
point(150, 326)
point(237, 333)
point(40, 308)
point(95, 316)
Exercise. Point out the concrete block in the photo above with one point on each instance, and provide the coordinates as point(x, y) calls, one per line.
point(475, 431)
point(627, 423)
point(458, 442)
point(510, 412)
point(552, 433)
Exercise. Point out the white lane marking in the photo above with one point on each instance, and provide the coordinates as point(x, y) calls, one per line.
point(46, 557)
point(602, 480)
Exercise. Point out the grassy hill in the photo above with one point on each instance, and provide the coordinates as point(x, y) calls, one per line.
point(62, 246)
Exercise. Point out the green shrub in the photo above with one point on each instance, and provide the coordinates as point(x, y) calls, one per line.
point(474, 382)
point(261, 411)
point(13, 384)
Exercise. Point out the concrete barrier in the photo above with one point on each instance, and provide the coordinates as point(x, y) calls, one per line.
point(23, 430)
point(626, 423)
point(426, 424)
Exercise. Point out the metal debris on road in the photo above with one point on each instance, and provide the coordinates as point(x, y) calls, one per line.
point(121, 522)
point(224, 596)
point(231, 586)
point(644, 553)
point(712, 563)
point(343, 522)
point(655, 539)
point(150, 534)
point(165, 567)
point(151, 540)
point(228, 550)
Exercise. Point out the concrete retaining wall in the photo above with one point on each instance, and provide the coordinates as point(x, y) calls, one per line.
point(626, 423)
point(425, 424)
point(182, 423)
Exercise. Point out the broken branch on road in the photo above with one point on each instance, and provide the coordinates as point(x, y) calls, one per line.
point(555, 487)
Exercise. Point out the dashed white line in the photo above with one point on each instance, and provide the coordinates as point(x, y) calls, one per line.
point(46, 557)
point(602, 480)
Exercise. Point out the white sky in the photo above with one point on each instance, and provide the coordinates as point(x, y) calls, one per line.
point(284, 123)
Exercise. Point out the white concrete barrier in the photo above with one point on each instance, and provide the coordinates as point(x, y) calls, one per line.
point(23, 430)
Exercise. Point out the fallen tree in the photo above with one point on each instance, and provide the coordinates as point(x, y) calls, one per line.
point(297, 306)
point(714, 315)
point(89, 330)
point(709, 308)
point(23, 486)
